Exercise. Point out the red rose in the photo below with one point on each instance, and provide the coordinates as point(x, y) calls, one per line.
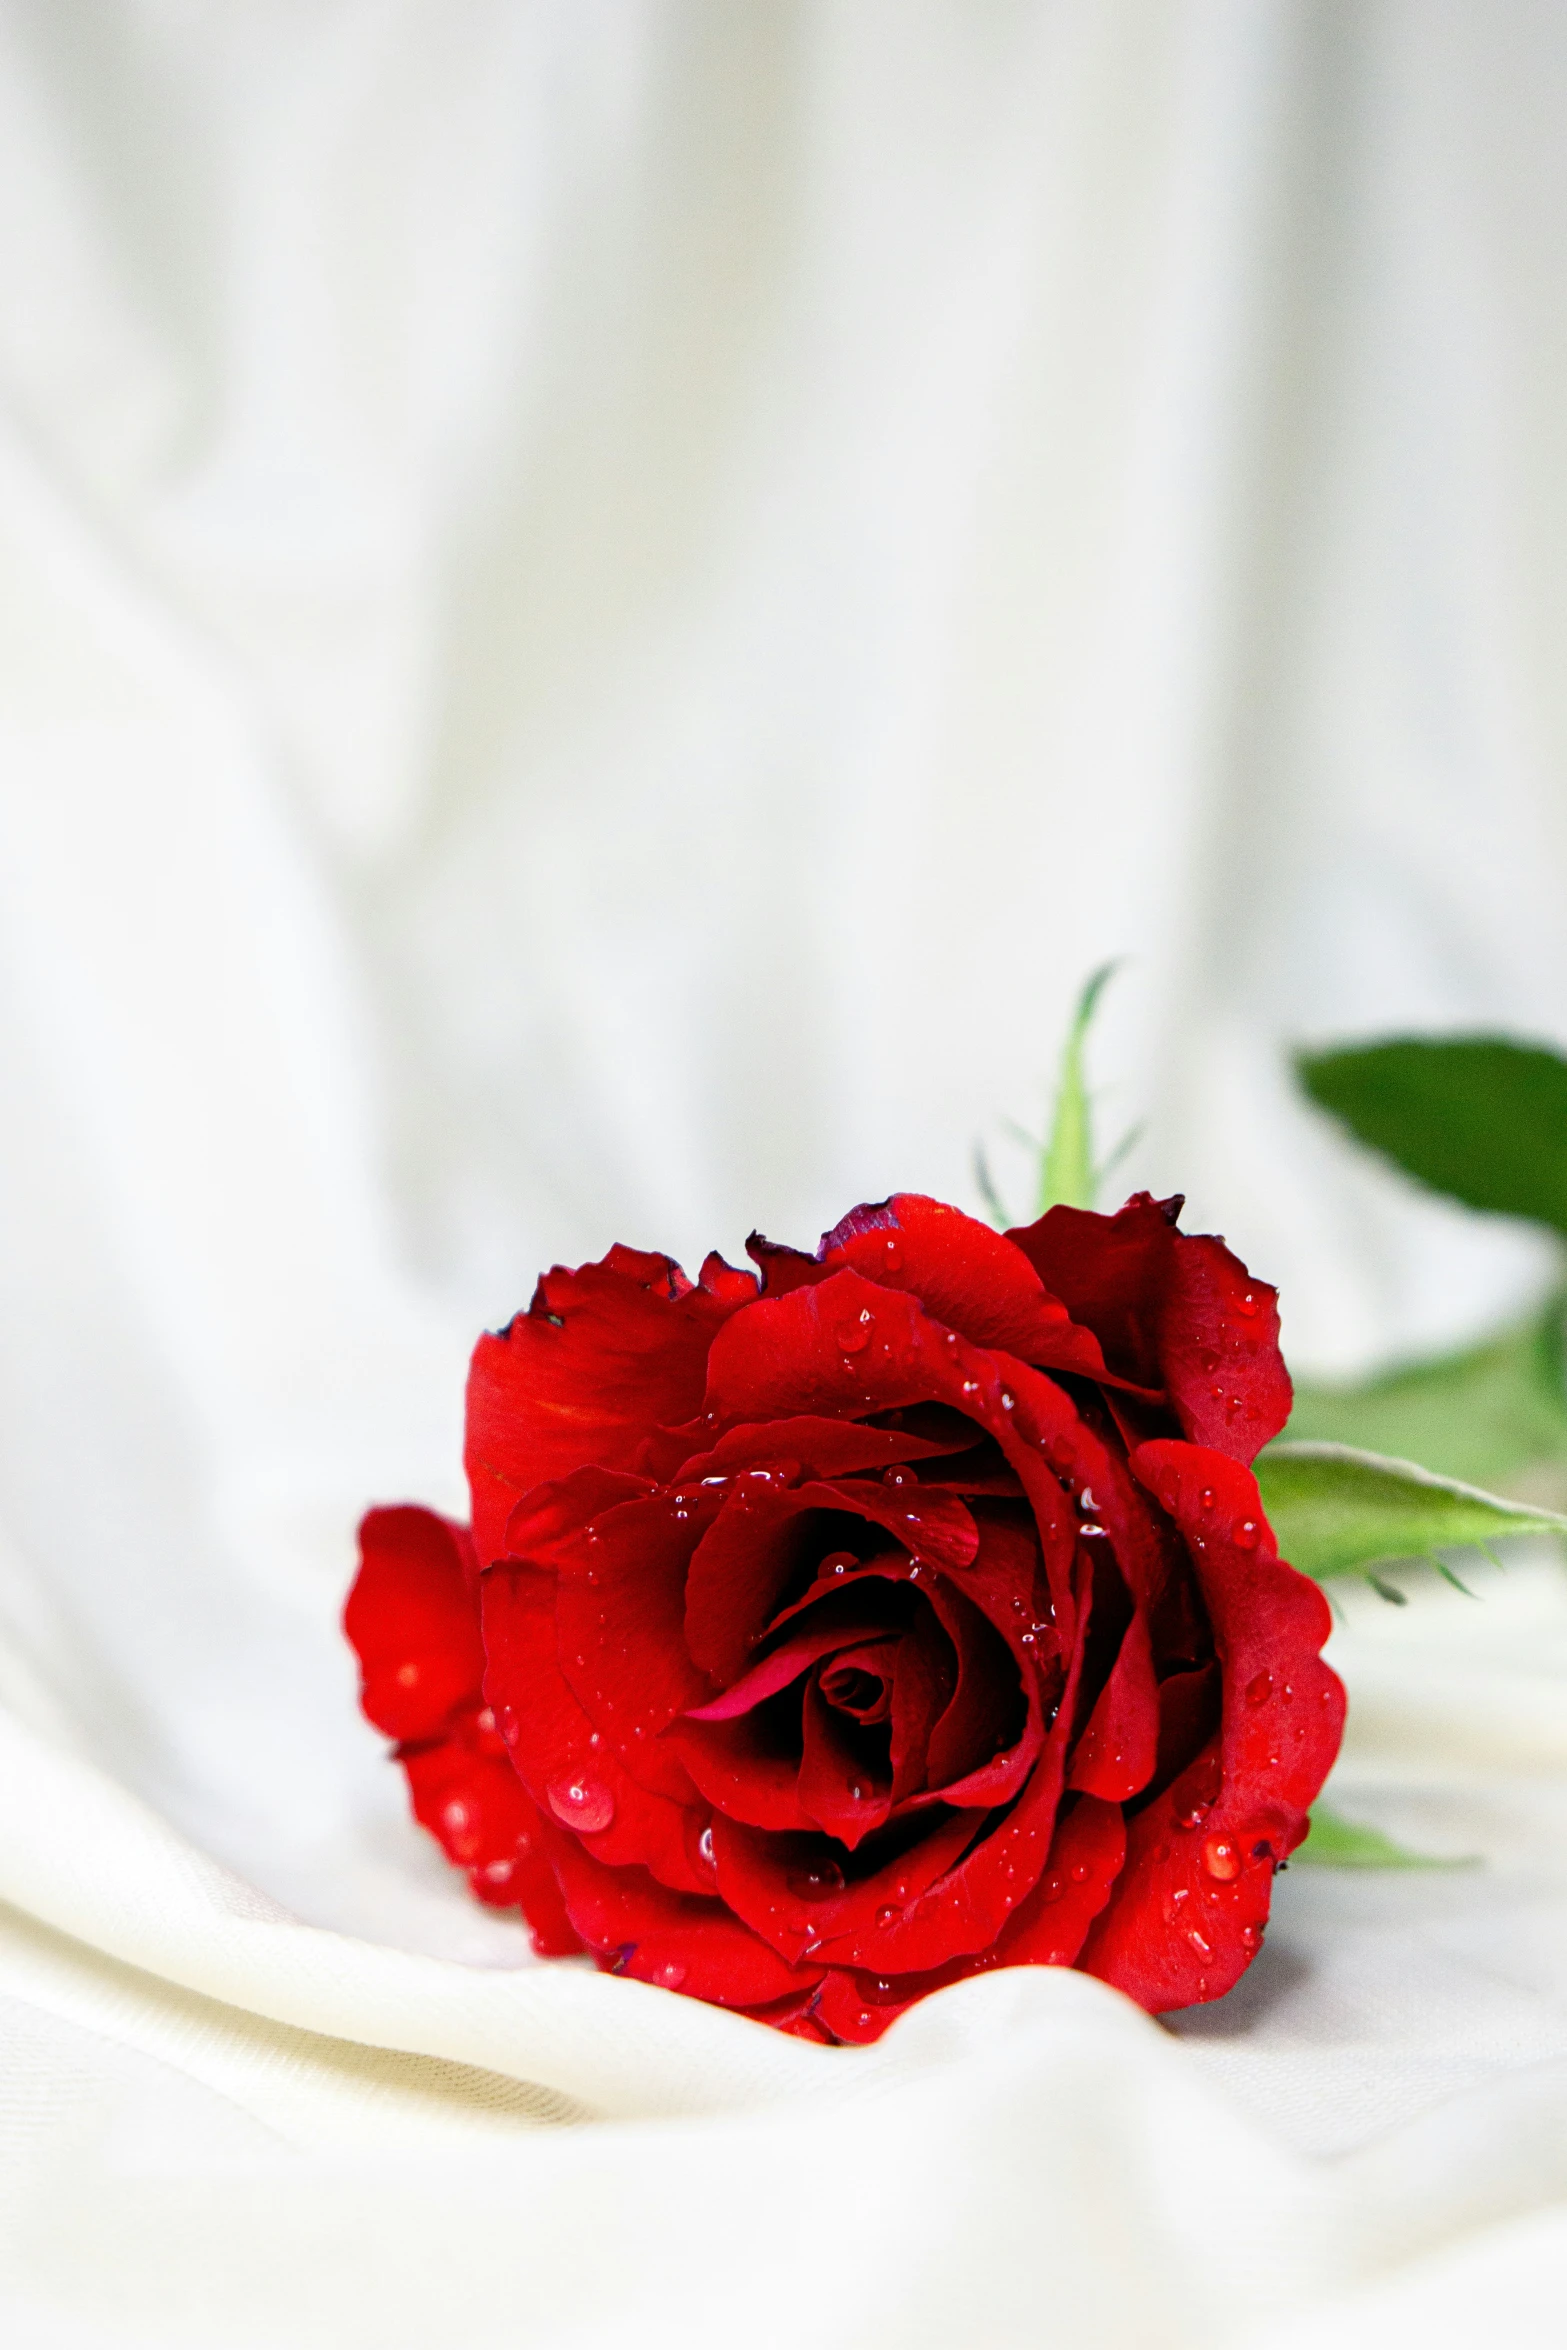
point(906, 1611)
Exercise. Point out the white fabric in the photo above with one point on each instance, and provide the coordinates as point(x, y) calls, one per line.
point(602, 610)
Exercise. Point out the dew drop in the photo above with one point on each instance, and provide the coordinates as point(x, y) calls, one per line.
point(971, 1387)
point(1259, 1689)
point(704, 1848)
point(1251, 1938)
point(1221, 1857)
point(1175, 1902)
point(406, 1675)
point(821, 1880)
point(1245, 1533)
point(1247, 1302)
point(854, 1337)
point(1193, 1815)
point(894, 1256)
point(1207, 1498)
point(499, 1872)
point(1086, 1502)
point(1199, 1941)
point(669, 1975)
point(1080, 1874)
point(888, 1916)
point(581, 1803)
point(1052, 1888)
point(1008, 1400)
point(455, 1816)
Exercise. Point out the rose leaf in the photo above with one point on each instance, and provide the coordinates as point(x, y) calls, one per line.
point(1481, 1118)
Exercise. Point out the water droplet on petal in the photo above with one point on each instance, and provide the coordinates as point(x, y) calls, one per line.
point(1259, 1689)
point(854, 1337)
point(669, 1975)
point(1221, 1857)
point(704, 1848)
point(1008, 1400)
point(1251, 1937)
point(1245, 1533)
point(1199, 1941)
point(894, 1256)
point(1207, 1498)
point(971, 1387)
point(406, 1675)
point(819, 1881)
point(454, 1816)
point(1080, 1874)
point(1247, 1302)
point(581, 1803)
point(1052, 1888)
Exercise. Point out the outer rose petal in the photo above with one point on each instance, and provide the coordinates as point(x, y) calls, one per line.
point(554, 1745)
point(413, 1619)
point(966, 1276)
point(466, 1793)
point(1188, 1912)
point(1048, 1930)
point(604, 1362)
point(640, 1928)
point(1172, 1310)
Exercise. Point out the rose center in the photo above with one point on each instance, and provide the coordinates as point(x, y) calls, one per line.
point(855, 1690)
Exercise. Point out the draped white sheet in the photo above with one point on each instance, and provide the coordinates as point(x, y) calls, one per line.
point(602, 610)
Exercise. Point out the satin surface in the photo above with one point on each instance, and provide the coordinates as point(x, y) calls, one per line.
point(602, 611)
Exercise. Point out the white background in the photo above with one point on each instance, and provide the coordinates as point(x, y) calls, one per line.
point(603, 610)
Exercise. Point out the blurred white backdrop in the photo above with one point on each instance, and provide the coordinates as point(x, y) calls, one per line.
point(603, 610)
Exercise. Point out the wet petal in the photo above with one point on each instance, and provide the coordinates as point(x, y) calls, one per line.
point(640, 1928)
point(473, 1802)
point(413, 1619)
point(604, 1363)
point(570, 1769)
point(1172, 1310)
point(1188, 1913)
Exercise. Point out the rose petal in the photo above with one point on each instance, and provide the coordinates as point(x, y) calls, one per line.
point(620, 1629)
point(473, 1802)
point(640, 1928)
point(966, 1276)
point(571, 1771)
point(842, 1792)
point(604, 1363)
point(766, 1880)
point(1117, 1752)
point(1188, 1912)
point(1049, 1929)
point(1172, 1310)
point(413, 1619)
point(764, 1537)
point(789, 1661)
point(821, 1448)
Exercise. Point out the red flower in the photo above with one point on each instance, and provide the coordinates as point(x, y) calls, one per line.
point(907, 1610)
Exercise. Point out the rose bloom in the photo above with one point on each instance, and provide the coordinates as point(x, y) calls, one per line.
point(830, 1633)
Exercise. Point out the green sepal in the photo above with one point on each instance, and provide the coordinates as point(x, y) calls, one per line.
point(1067, 1176)
point(1332, 1842)
point(1339, 1511)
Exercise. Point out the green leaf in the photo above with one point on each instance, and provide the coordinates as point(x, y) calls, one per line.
point(1338, 1511)
point(1482, 1118)
point(1332, 1842)
point(1481, 1415)
point(1066, 1175)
